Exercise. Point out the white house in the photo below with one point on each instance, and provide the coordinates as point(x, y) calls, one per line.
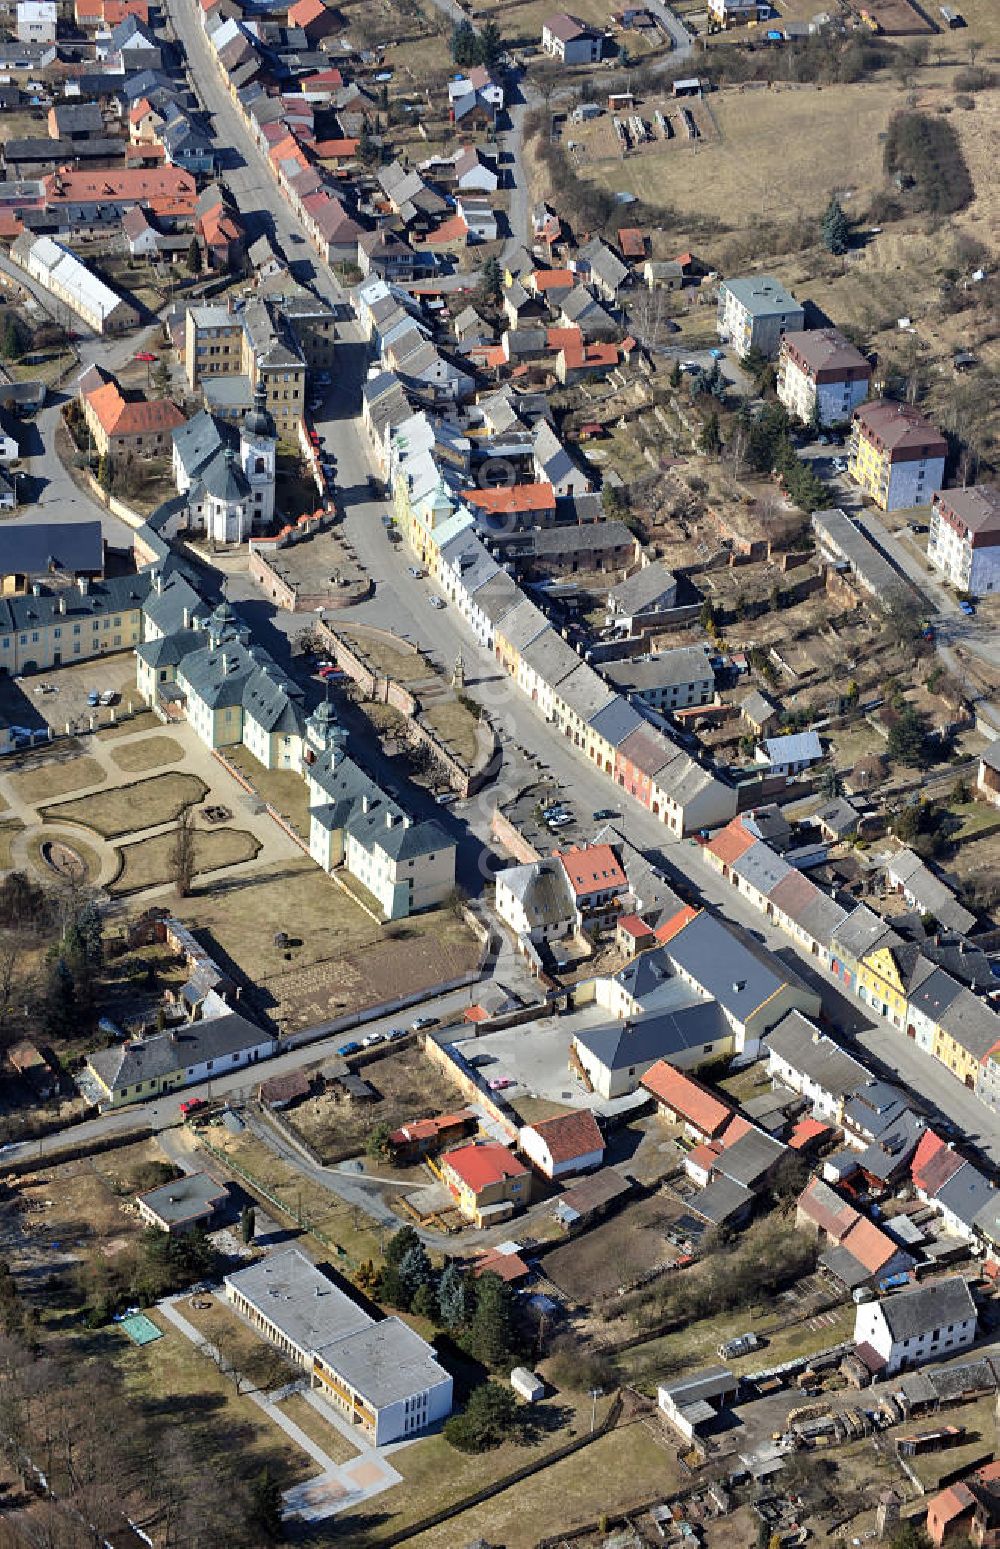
point(964, 541)
point(36, 21)
point(790, 754)
point(569, 40)
point(755, 313)
point(821, 374)
point(928, 1323)
point(566, 1143)
point(536, 901)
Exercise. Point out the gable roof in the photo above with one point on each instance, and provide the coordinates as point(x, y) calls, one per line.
point(594, 868)
point(688, 1098)
point(910, 1314)
point(568, 1136)
point(484, 1164)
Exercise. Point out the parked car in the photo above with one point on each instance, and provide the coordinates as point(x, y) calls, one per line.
point(371, 1039)
point(501, 1083)
point(93, 697)
point(437, 602)
point(394, 1033)
point(415, 571)
point(420, 1023)
point(561, 822)
point(967, 608)
point(605, 812)
point(109, 697)
point(717, 354)
point(192, 1105)
point(350, 1047)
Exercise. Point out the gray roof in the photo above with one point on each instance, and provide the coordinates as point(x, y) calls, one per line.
point(793, 747)
point(721, 1199)
point(758, 708)
point(167, 1054)
point(616, 721)
point(714, 1382)
point(580, 537)
point(523, 624)
point(762, 295)
point(498, 596)
point(972, 1023)
point(909, 1314)
point(660, 1035)
point(74, 547)
point(965, 1193)
point(935, 994)
point(648, 590)
point(816, 1056)
point(715, 958)
point(551, 657)
point(750, 1158)
point(760, 868)
point(385, 1362)
point(290, 1292)
point(584, 692)
point(186, 1198)
point(861, 931)
point(542, 889)
point(683, 665)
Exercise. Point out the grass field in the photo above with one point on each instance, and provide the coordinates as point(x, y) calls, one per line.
point(823, 140)
point(173, 1369)
point(322, 1432)
point(257, 1360)
point(396, 661)
point(129, 808)
point(147, 753)
point(148, 862)
point(455, 726)
point(282, 788)
point(56, 779)
point(624, 1467)
point(697, 1344)
point(88, 856)
point(144, 721)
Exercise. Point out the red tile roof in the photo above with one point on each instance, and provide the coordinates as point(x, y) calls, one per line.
point(594, 868)
point(670, 928)
point(118, 417)
point(806, 1131)
point(426, 1129)
point(737, 1127)
point(631, 242)
point(552, 279)
point(929, 1145)
point(513, 497)
point(570, 1135)
point(563, 338)
point(825, 1208)
point(508, 1266)
point(937, 1169)
point(868, 1245)
point(635, 925)
point(481, 1166)
point(688, 1098)
point(731, 842)
point(138, 183)
point(704, 1155)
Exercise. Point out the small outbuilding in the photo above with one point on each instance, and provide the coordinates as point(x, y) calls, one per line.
point(527, 1385)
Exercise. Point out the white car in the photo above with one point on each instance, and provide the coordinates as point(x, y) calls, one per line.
point(437, 602)
point(415, 571)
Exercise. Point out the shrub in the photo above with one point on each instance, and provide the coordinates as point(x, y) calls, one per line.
point(924, 154)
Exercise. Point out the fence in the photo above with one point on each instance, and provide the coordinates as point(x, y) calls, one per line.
point(76, 1149)
point(471, 1086)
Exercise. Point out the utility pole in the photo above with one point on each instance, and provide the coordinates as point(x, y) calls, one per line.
point(595, 1394)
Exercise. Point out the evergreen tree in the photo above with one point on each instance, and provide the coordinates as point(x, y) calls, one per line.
point(464, 44)
point(714, 382)
point(161, 378)
point(392, 1288)
point(248, 1222)
point(491, 1415)
point(835, 228)
point(10, 339)
point(265, 1495)
point(399, 1245)
point(490, 288)
point(490, 45)
point(710, 439)
point(368, 151)
point(425, 1303)
point(60, 999)
point(491, 1329)
point(415, 1269)
point(453, 1296)
point(676, 374)
point(194, 260)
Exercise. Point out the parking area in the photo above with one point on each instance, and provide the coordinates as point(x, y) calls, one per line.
point(58, 697)
point(533, 1060)
point(547, 814)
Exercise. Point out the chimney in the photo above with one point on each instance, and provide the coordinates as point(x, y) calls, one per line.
point(187, 618)
point(84, 584)
point(61, 605)
point(365, 803)
point(36, 588)
point(738, 985)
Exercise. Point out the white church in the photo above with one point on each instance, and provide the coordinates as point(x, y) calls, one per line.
point(226, 473)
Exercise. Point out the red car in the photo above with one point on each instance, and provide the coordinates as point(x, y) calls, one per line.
point(145, 356)
point(330, 672)
point(192, 1105)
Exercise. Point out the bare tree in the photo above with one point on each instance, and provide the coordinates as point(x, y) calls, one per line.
point(182, 856)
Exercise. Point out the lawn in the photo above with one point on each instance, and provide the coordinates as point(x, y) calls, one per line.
point(326, 1435)
point(627, 1466)
point(300, 1197)
point(409, 1087)
point(618, 1250)
point(56, 779)
point(127, 809)
point(145, 720)
point(256, 1359)
point(147, 753)
point(979, 1419)
point(697, 1344)
point(148, 863)
point(382, 654)
point(977, 818)
point(456, 728)
point(172, 1368)
point(8, 833)
point(282, 789)
point(820, 139)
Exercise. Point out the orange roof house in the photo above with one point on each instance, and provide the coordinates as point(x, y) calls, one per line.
point(487, 1181)
point(951, 1512)
point(631, 242)
point(121, 424)
point(730, 843)
point(680, 1097)
point(595, 873)
point(543, 280)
